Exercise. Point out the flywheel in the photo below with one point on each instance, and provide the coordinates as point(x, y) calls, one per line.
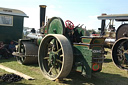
point(55, 26)
point(55, 56)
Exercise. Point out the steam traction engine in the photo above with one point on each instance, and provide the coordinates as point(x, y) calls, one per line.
point(61, 48)
point(120, 46)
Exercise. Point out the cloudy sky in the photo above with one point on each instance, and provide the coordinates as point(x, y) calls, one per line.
point(78, 11)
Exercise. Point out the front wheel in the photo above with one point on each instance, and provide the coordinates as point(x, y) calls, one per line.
point(24, 49)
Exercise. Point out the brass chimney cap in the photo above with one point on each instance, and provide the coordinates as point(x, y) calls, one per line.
point(42, 6)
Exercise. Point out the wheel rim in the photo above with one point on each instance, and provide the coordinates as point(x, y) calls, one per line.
point(54, 59)
point(120, 53)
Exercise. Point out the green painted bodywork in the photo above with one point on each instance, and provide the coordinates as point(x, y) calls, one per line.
point(83, 59)
point(8, 33)
point(87, 54)
point(85, 40)
point(96, 40)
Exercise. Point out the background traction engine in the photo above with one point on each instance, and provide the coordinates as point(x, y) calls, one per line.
point(61, 49)
point(120, 47)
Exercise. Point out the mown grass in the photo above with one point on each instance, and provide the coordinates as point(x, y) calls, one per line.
point(110, 75)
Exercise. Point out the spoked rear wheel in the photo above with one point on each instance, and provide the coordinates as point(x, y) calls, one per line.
point(120, 53)
point(55, 56)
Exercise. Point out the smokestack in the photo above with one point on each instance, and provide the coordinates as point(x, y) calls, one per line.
point(42, 15)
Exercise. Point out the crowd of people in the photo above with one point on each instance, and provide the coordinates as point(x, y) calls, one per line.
point(7, 50)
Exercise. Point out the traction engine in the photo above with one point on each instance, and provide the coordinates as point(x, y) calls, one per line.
point(120, 45)
point(60, 48)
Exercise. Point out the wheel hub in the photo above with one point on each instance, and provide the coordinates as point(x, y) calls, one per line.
point(52, 58)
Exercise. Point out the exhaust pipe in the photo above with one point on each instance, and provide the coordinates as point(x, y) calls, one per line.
point(42, 15)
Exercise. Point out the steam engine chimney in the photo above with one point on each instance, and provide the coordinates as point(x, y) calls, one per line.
point(42, 15)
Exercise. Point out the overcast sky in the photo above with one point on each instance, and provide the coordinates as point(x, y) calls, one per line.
point(78, 11)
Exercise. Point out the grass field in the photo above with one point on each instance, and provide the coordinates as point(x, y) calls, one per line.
point(110, 75)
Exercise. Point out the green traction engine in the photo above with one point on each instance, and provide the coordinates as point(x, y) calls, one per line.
point(60, 48)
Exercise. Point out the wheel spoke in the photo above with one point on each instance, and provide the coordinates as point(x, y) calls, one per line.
point(49, 63)
point(57, 45)
point(61, 55)
point(48, 53)
point(46, 58)
point(122, 48)
point(57, 51)
point(49, 48)
point(53, 45)
point(56, 71)
point(50, 69)
point(52, 48)
point(59, 61)
point(119, 54)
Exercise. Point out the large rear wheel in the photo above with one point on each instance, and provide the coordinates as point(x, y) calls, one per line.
point(120, 53)
point(55, 56)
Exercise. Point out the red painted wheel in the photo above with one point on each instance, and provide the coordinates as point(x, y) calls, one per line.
point(69, 24)
point(95, 67)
